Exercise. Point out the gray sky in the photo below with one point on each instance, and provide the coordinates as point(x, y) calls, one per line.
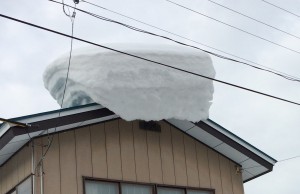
point(268, 124)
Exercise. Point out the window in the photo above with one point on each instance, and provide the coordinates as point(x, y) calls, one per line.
point(117, 187)
point(97, 187)
point(197, 192)
point(136, 189)
point(24, 187)
point(166, 190)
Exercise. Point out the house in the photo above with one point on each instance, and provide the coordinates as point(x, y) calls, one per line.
point(93, 151)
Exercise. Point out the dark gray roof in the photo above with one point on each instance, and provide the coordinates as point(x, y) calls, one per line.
point(254, 162)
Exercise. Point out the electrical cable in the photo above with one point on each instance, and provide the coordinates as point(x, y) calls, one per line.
point(253, 19)
point(285, 10)
point(291, 158)
point(145, 59)
point(167, 38)
point(234, 27)
point(50, 141)
point(282, 160)
point(191, 40)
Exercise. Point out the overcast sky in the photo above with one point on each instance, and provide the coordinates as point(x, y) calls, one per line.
point(268, 124)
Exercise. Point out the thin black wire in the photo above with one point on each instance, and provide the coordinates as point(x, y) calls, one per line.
point(148, 60)
point(181, 43)
point(191, 40)
point(50, 141)
point(253, 19)
point(281, 8)
point(234, 27)
point(291, 158)
point(283, 160)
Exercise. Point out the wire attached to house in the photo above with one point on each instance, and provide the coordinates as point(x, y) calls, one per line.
point(279, 161)
point(285, 10)
point(50, 140)
point(253, 19)
point(178, 42)
point(234, 27)
point(149, 60)
point(194, 41)
point(291, 158)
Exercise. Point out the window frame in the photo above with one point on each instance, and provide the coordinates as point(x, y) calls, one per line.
point(14, 189)
point(153, 185)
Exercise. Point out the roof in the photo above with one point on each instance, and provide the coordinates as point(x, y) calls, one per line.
point(253, 161)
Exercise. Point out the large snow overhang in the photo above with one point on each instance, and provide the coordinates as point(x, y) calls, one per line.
point(254, 162)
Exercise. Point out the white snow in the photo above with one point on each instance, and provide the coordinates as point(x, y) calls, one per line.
point(132, 88)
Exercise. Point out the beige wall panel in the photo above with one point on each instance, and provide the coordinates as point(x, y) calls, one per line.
point(113, 150)
point(4, 178)
point(179, 157)
point(127, 150)
point(225, 175)
point(9, 165)
point(167, 154)
point(141, 153)
point(67, 156)
point(98, 151)
point(14, 172)
point(28, 159)
point(0, 180)
point(154, 157)
point(52, 167)
point(37, 156)
point(83, 155)
point(203, 166)
point(214, 168)
point(237, 183)
point(21, 164)
point(191, 162)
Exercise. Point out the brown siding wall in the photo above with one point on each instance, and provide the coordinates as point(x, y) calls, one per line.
point(120, 150)
point(15, 170)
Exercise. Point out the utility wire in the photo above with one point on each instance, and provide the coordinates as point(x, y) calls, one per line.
point(191, 40)
point(181, 43)
point(291, 158)
point(148, 60)
point(285, 10)
point(234, 27)
point(283, 160)
point(50, 141)
point(253, 19)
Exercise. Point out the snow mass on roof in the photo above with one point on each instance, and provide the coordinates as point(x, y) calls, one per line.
point(133, 88)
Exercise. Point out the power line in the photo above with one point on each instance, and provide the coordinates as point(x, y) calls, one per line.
point(50, 141)
point(285, 10)
point(253, 19)
point(279, 161)
point(234, 27)
point(148, 60)
point(291, 158)
point(167, 38)
point(191, 40)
